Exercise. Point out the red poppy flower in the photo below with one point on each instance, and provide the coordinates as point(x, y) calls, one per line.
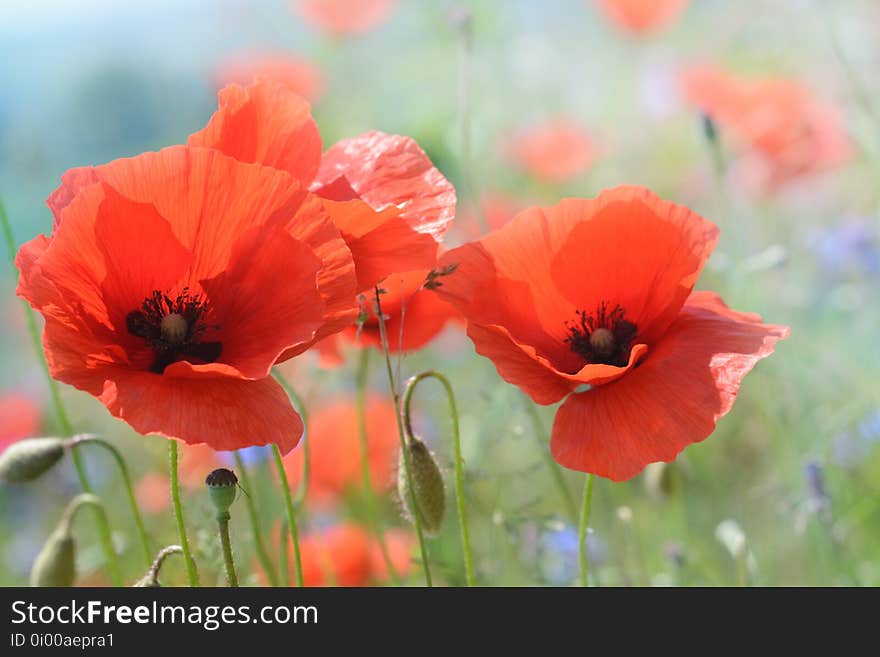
point(553, 151)
point(384, 196)
point(335, 449)
point(790, 131)
point(156, 304)
point(19, 418)
point(642, 16)
point(346, 555)
point(598, 293)
point(345, 17)
point(413, 315)
point(297, 74)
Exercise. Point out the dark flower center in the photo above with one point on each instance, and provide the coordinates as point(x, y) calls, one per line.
point(602, 336)
point(175, 327)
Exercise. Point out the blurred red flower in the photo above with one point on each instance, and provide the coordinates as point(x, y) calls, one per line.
point(344, 554)
point(153, 492)
point(496, 209)
point(345, 17)
point(598, 293)
point(297, 74)
point(413, 315)
point(19, 418)
point(641, 16)
point(789, 130)
point(334, 441)
point(554, 151)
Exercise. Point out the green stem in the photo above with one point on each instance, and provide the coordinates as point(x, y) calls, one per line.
point(372, 504)
point(225, 543)
point(383, 333)
point(459, 469)
point(582, 529)
point(81, 500)
point(164, 553)
point(300, 406)
point(260, 547)
point(104, 534)
point(554, 468)
point(191, 571)
point(291, 515)
point(282, 555)
point(129, 489)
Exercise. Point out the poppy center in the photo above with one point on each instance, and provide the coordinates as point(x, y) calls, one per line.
point(602, 336)
point(175, 328)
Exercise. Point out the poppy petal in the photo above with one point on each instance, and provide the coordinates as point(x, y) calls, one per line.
point(389, 170)
point(674, 398)
point(223, 412)
point(266, 124)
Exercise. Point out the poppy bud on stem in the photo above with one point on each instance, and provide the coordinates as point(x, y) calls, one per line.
point(55, 565)
point(28, 459)
point(151, 579)
point(428, 474)
point(222, 487)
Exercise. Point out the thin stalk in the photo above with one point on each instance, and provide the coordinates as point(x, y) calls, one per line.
point(191, 572)
point(152, 575)
point(459, 469)
point(104, 534)
point(291, 514)
point(582, 529)
point(129, 489)
point(554, 468)
point(372, 506)
point(300, 497)
point(226, 544)
point(383, 333)
point(254, 517)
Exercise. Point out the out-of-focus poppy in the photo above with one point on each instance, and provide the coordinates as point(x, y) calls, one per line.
point(642, 16)
point(785, 127)
point(153, 492)
point(345, 17)
point(297, 74)
point(19, 418)
point(597, 294)
point(334, 441)
point(345, 554)
point(554, 151)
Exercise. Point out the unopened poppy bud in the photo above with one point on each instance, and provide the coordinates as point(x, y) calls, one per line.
point(27, 459)
point(55, 564)
point(222, 487)
point(428, 489)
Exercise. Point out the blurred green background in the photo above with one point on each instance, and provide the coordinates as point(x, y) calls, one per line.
point(795, 465)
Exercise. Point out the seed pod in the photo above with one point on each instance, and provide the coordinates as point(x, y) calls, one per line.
point(27, 459)
point(55, 564)
point(429, 491)
point(222, 487)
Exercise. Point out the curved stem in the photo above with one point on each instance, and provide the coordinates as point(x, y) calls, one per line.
point(104, 534)
point(129, 489)
point(372, 506)
point(383, 333)
point(81, 500)
point(254, 517)
point(554, 468)
point(164, 553)
point(291, 514)
point(226, 544)
point(459, 469)
point(582, 529)
point(300, 406)
point(191, 571)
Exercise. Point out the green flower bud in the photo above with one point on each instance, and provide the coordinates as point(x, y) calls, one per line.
point(55, 564)
point(222, 487)
point(27, 459)
point(428, 489)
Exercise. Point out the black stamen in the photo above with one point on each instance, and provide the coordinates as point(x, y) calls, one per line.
point(146, 323)
point(610, 350)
